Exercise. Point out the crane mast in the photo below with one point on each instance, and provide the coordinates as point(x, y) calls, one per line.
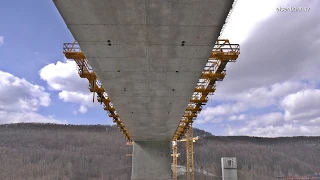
point(189, 154)
point(175, 156)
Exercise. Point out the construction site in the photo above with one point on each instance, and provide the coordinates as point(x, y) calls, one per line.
point(152, 70)
point(159, 90)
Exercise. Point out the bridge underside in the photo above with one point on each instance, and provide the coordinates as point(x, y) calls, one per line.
point(148, 54)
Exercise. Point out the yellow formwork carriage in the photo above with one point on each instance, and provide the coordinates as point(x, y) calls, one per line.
point(73, 51)
point(214, 70)
point(222, 53)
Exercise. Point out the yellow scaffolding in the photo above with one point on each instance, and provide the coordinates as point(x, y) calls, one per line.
point(222, 53)
point(175, 156)
point(190, 155)
point(73, 51)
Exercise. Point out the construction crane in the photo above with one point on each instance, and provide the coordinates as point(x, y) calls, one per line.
point(175, 156)
point(189, 154)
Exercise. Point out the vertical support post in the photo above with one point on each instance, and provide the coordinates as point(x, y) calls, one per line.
point(174, 160)
point(190, 163)
point(151, 160)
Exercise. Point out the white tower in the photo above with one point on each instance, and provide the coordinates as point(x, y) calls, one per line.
point(229, 168)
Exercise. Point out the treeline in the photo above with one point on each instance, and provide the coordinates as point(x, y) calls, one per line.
point(53, 152)
point(260, 158)
point(98, 152)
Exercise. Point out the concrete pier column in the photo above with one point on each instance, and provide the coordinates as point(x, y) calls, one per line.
point(151, 160)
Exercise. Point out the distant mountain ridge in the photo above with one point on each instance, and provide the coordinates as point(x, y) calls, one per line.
point(95, 152)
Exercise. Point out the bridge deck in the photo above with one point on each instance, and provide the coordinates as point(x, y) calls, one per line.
point(148, 54)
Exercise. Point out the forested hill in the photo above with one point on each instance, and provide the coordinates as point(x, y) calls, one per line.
point(74, 152)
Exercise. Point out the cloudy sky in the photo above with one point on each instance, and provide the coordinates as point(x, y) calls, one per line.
point(272, 90)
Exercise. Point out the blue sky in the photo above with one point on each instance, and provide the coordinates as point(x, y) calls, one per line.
point(273, 89)
point(33, 37)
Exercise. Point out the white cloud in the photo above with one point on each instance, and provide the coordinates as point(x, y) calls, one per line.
point(257, 98)
point(264, 96)
point(18, 117)
point(274, 50)
point(240, 117)
point(63, 77)
point(299, 101)
point(83, 109)
point(269, 125)
point(274, 119)
point(20, 100)
point(215, 114)
point(267, 96)
point(301, 114)
point(302, 106)
point(242, 21)
point(271, 89)
point(1, 40)
point(224, 109)
point(276, 131)
point(19, 93)
point(75, 97)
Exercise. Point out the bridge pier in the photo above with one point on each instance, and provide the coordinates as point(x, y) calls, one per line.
point(151, 160)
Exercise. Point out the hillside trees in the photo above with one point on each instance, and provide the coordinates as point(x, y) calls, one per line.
point(71, 152)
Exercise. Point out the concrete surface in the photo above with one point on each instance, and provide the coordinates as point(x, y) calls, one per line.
point(151, 160)
point(148, 74)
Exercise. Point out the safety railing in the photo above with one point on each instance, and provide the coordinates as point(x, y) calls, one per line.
point(214, 70)
point(73, 51)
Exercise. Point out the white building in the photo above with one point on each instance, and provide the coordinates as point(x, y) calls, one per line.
point(229, 168)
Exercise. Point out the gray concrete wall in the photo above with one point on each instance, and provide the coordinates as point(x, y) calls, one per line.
point(151, 160)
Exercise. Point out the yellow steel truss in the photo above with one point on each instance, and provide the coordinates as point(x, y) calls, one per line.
point(175, 156)
point(222, 53)
point(190, 155)
point(73, 51)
